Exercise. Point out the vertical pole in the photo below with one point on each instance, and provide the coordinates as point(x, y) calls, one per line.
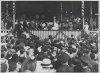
point(98, 15)
point(91, 13)
point(72, 8)
point(6, 15)
point(83, 14)
point(99, 31)
point(91, 9)
point(61, 11)
point(13, 14)
point(7, 8)
point(54, 19)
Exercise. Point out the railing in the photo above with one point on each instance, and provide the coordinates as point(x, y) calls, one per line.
point(45, 34)
point(5, 31)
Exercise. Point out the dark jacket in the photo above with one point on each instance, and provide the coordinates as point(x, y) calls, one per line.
point(64, 68)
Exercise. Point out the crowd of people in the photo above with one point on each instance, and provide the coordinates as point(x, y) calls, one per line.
point(41, 23)
point(26, 52)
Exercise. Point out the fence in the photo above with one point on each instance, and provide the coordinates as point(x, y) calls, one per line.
point(45, 34)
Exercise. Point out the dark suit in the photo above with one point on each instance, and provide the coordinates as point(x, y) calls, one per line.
point(65, 68)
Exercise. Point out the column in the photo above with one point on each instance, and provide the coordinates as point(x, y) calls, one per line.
point(13, 14)
point(99, 33)
point(83, 14)
point(61, 11)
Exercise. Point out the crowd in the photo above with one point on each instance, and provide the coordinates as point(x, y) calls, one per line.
point(42, 23)
point(28, 53)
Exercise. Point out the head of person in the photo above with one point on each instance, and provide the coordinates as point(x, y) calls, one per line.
point(16, 48)
point(73, 62)
point(22, 51)
point(93, 50)
point(8, 46)
point(79, 53)
point(12, 41)
point(63, 58)
point(14, 58)
point(86, 23)
point(92, 55)
point(54, 52)
point(9, 54)
point(86, 51)
point(45, 49)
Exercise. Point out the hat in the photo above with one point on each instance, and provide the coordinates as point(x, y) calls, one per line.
point(46, 63)
point(64, 57)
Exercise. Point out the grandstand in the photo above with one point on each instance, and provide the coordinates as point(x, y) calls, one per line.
point(44, 34)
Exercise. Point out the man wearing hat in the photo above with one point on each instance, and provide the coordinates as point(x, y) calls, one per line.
point(46, 65)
